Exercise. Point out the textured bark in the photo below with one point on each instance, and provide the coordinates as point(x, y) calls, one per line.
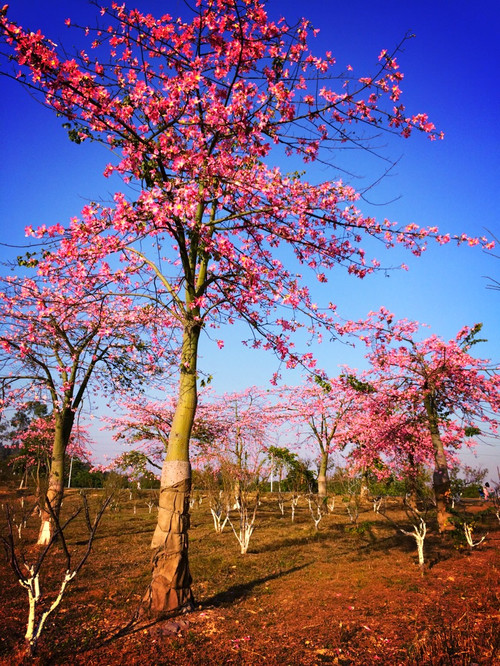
point(54, 496)
point(322, 474)
point(441, 484)
point(441, 479)
point(170, 587)
point(55, 490)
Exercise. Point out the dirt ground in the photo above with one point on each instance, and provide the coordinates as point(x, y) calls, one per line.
point(347, 594)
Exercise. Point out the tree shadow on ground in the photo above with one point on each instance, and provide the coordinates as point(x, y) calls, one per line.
point(117, 535)
point(139, 622)
point(242, 590)
point(290, 542)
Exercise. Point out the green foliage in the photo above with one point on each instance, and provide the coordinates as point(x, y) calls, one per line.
point(148, 481)
point(115, 481)
point(76, 131)
point(471, 339)
point(391, 487)
point(358, 385)
point(364, 527)
point(300, 479)
point(322, 383)
point(282, 456)
point(27, 260)
point(472, 491)
point(82, 475)
point(466, 481)
point(136, 460)
point(206, 381)
point(5, 468)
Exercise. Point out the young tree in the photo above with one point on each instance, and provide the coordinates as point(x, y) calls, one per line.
point(56, 332)
point(200, 113)
point(436, 391)
point(322, 410)
point(29, 574)
point(282, 460)
point(32, 450)
point(247, 421)
point(14, 431)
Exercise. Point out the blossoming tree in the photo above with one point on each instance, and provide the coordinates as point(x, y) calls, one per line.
point(322, 410)
point(56, 333)
point(200, 113)
point(32, 450)
point(146, 423)
point(247, 427)
point(431, 396)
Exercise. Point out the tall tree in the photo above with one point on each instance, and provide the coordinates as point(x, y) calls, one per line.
point(247, 423)
point(22, 442)
point(200, 113)
point(146, 423)
point(322, 411)
point(432, 392)
point(56, 332)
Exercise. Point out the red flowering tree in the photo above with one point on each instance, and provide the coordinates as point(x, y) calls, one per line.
point(323, 410)
point(57, 333)
point(388, 440)
point(431, 396)
point(146, 423)
point(32, 449)
point(247, 423)
point(240, 451)
point(200, 113)
point(230, 431)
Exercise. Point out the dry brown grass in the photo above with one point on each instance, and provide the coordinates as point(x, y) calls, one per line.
point(343, 595)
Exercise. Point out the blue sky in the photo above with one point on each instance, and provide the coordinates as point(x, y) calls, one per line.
point(451, 71)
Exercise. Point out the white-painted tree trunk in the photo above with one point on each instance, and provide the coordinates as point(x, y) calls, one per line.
point(247, 526)
point(32, 584)
point(219, 524)
point(316, 513)
point(468, 529)
point(419, 534)
point(294, 502)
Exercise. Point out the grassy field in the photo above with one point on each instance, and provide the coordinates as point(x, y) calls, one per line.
point(344, 594)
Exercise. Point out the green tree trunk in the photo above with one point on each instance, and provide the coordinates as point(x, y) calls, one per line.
point(170, 587)
point(63, 426)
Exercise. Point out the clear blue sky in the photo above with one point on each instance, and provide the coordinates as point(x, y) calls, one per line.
point(451, 72)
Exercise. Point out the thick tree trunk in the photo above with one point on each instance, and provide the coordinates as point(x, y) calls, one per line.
point(322, 474)
point(55, 490)
point(441, 479)
point(170, 587)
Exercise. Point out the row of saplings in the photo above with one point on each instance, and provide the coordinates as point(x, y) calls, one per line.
point(233, 504)
point(237, 505)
